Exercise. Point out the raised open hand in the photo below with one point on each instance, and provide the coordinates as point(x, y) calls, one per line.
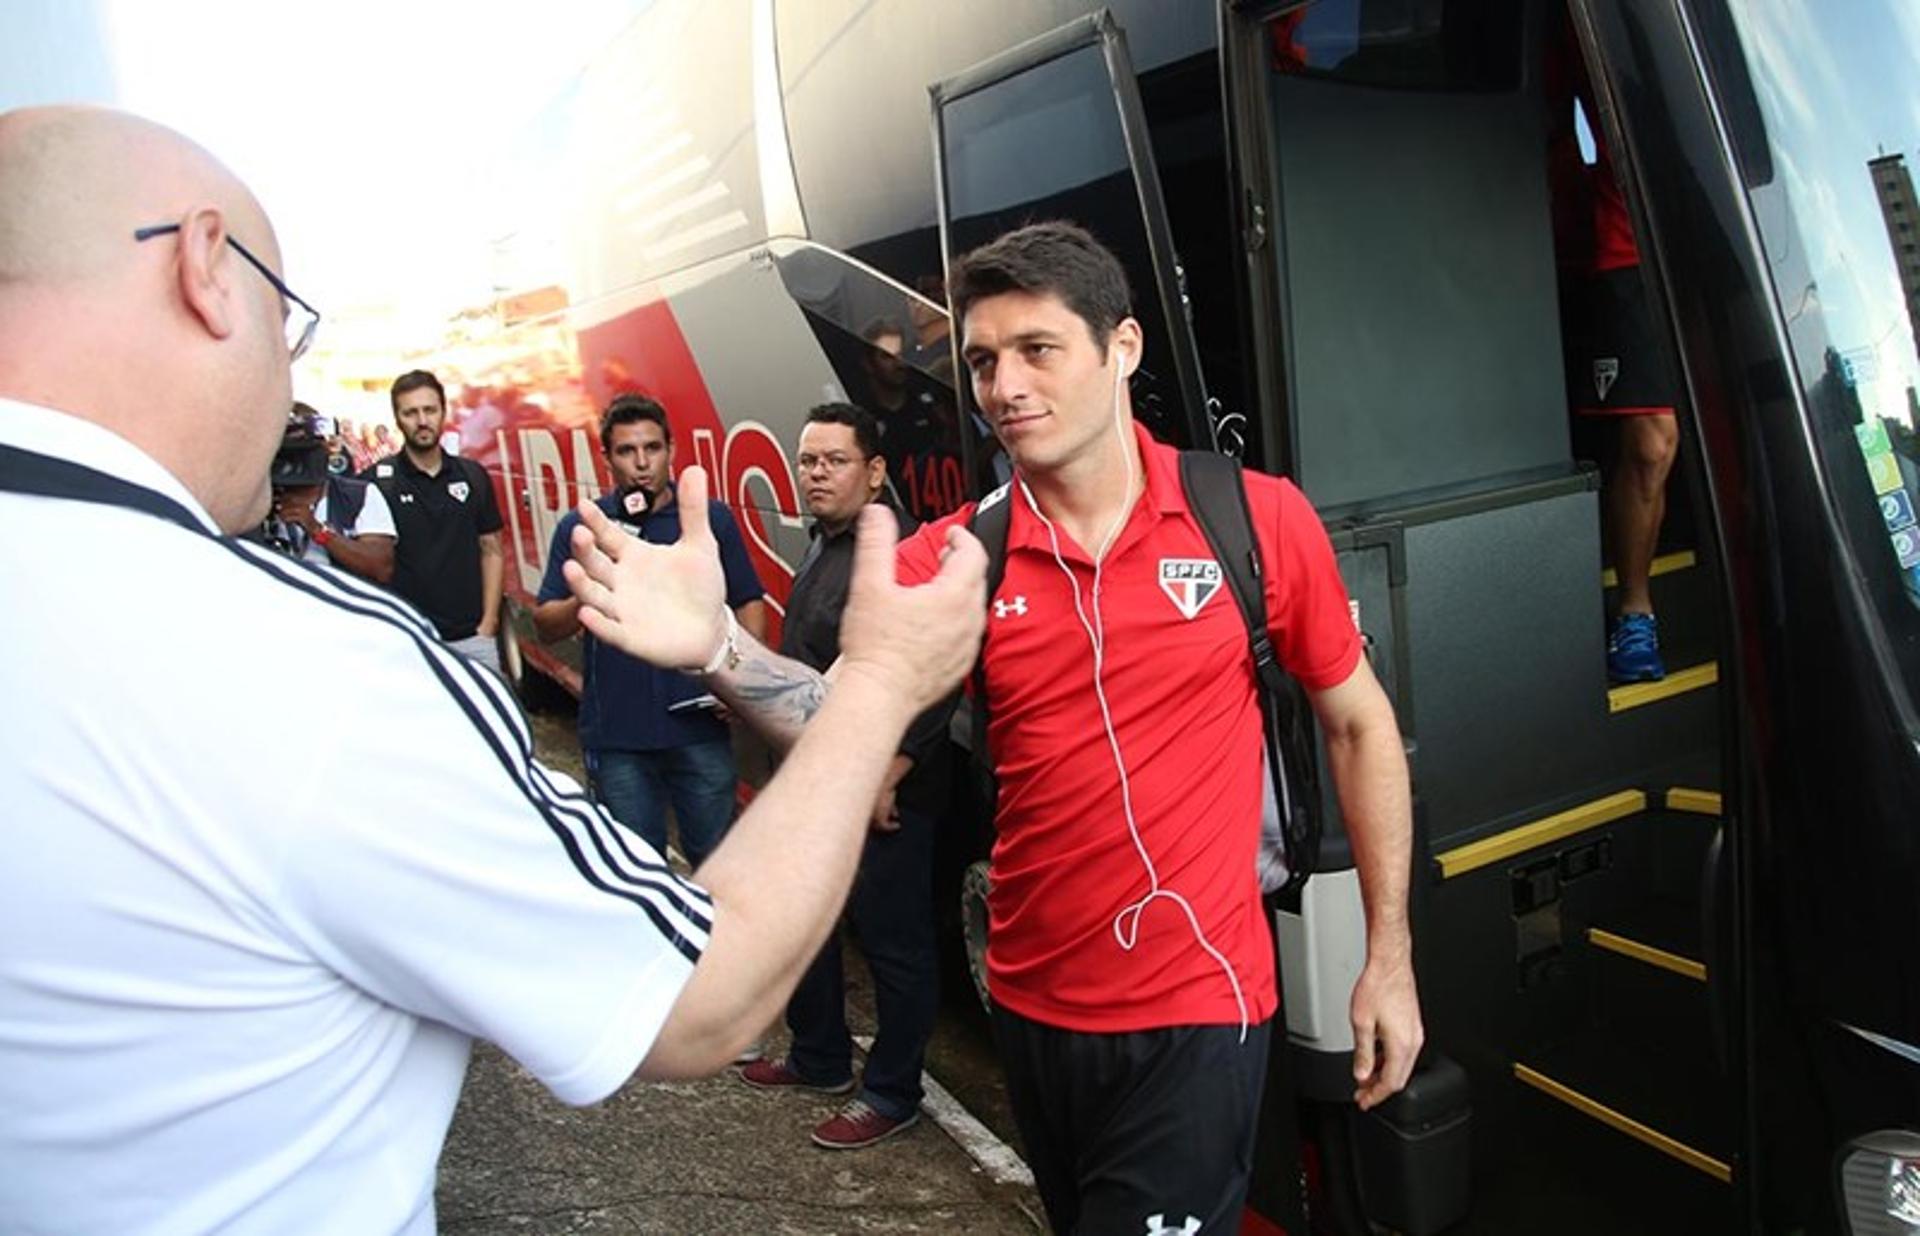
point(661, 603)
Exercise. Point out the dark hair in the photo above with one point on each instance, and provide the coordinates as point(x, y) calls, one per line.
point(629, 410)
point(413, 380)
point(866, 430)
point(1056, 257)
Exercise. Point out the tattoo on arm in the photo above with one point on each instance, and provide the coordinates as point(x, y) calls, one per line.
point(783, 693)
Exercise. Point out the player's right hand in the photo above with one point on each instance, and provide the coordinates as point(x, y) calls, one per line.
point(918, 641)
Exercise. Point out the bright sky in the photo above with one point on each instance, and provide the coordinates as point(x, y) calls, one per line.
point(364, 126)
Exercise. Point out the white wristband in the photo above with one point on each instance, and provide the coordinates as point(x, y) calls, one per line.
point(727, 655)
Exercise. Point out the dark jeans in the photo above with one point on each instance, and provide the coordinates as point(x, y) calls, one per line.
point(891, 909)
point(1145, 1131)
point(699, 780)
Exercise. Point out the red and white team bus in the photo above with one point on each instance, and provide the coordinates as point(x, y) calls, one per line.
point(1665, 932)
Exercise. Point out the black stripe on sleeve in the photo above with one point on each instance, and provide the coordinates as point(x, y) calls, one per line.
point(651, 885)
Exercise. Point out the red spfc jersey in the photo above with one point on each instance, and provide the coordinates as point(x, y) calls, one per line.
point(1179, 684)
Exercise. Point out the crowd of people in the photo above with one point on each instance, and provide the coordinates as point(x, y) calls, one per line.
point(242, 963)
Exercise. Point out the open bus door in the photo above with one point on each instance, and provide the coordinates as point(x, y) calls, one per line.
point(1667, 928)
point(1405, 329)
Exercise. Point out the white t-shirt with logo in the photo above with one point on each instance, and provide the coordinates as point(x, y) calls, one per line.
point(375, 519)
point(263, 877)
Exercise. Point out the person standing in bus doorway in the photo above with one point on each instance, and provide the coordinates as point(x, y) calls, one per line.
point(841, 472)
point(650, 736)
point(1617, 366)
point(1130, 962)
point(448, 562)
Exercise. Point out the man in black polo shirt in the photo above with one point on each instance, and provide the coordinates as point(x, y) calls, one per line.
point(891, 907)
point(448, 562)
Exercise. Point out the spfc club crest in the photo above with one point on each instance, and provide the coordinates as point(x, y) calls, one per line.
point(1189, 583)
point(459, 490)
point(1606, 371)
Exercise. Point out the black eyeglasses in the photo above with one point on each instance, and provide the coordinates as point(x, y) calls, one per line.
point(300, 326)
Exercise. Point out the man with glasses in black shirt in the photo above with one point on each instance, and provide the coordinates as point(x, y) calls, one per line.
point(841, 472)
point(449, 561)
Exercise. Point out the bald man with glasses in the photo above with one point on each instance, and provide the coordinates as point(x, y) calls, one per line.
point(238, 990)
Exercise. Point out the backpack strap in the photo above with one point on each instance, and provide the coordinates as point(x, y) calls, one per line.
point(1216, 492)
point(988, 523)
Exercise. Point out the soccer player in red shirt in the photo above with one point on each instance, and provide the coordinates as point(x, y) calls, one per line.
point(1129, 959)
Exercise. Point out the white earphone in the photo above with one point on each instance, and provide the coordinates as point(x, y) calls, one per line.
point(1126, 924)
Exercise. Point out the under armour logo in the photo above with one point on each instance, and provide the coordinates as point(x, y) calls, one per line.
point(1157, 1226)
point(406, 499)
point(1016, 607)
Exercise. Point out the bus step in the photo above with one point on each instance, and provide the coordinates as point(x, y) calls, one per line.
point(1685, 1150)
point(1568, 1151)
point(1693, 801)
point(1648, 954)
point(1680, 682)
point(1648, 999)
point(1510, 842)
point(1684, 599)
point(1665, 564)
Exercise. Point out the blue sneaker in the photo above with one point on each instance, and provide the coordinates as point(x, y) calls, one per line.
point(1633, 649)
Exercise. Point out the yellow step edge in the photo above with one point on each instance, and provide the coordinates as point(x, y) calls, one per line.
point(1639, 694)
point(1697, 1159)
point(1666, 564)
point(1477, 854)
point(1686, 967)
point(1699, 802)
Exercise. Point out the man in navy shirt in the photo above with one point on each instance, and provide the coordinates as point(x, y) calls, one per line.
point(650, 735)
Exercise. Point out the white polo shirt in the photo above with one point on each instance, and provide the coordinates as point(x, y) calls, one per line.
point(271, 857)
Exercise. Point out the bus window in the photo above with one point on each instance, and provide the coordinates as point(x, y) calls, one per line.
point(890, 353)
point(1837, 218)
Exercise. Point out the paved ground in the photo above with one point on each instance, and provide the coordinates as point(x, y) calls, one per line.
point(705, 1157)
point(715, 1156)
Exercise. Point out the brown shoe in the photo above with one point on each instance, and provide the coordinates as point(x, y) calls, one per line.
point(777, 1074)
point(857, 1126)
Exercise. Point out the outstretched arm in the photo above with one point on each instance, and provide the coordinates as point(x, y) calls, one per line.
point(1369, 769)
point(663, 604)
point(781, 875)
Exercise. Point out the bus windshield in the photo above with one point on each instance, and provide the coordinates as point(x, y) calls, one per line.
point(1840, 224)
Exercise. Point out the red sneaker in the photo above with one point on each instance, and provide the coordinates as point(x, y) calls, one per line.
point(857, 1126)
point(777, 1074)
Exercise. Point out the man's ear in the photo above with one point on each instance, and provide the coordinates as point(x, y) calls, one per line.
point(1129, 340)
point(205, 272)
point(877, 472)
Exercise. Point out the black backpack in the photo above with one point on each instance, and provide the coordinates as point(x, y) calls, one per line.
point(1290, 827)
